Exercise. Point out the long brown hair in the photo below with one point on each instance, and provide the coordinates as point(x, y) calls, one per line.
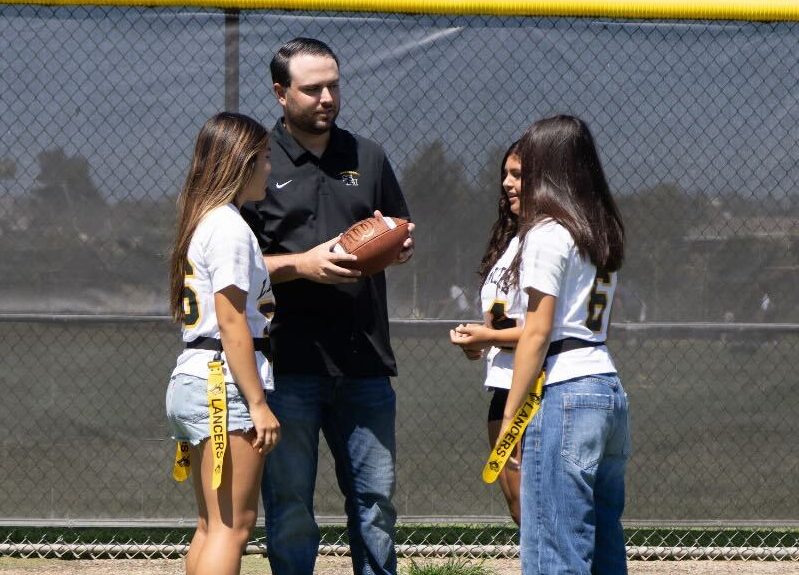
point(506, 226)
point(563, 180)
point(222, 165)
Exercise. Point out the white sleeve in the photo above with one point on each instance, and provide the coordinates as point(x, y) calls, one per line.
point(227, 254)
point(545, 256)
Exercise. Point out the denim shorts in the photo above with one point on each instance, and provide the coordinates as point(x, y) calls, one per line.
point(187, 409)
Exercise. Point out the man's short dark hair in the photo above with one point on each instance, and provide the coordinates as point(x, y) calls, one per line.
point(279, 67)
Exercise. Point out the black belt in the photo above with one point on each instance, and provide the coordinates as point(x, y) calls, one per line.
point(569, 344)
point(212, 344)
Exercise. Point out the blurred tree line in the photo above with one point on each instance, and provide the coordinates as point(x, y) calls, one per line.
point(690, 257)
point(68, 247)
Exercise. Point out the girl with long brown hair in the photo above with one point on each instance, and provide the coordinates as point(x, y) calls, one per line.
point(221, 293)
point(576, 447)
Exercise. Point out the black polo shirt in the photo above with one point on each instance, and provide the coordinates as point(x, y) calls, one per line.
point(337, 330)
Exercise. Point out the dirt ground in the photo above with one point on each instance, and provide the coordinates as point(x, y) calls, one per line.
point(254, 565)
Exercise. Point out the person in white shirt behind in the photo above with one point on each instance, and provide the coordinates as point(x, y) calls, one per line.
point(576, 447)
point(221, 293)
point(503, 307)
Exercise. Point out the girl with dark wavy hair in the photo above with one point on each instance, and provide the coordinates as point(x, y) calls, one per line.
point(576, 447)
point(503, 310)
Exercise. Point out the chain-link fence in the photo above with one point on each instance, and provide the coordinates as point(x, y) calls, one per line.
point(697, 125)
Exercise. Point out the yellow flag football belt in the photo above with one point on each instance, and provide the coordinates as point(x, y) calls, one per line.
point(217, 422)
point(505, 444)
point(508, 440)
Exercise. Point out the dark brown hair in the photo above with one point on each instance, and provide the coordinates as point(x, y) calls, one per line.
point(563, 180)
point(279, 67)
point(506, 226)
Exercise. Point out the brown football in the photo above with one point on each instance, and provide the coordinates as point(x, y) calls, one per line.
point(376, 241)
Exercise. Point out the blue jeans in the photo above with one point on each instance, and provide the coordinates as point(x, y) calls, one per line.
point(572, 493)
point(356, 416)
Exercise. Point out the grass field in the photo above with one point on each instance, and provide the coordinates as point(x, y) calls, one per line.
point(714, 427)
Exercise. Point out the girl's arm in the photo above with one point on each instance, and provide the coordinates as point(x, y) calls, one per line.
point(530, 351)
point(237, 342)
point(476, 336)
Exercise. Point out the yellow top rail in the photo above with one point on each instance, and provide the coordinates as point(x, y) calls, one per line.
point(750, 10)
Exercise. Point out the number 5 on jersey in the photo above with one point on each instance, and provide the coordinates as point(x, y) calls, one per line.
point(598, 301)
point(191, 309)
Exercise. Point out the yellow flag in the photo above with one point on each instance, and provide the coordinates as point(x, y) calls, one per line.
point(217, 410)
point(182, 466)
point(504, 447)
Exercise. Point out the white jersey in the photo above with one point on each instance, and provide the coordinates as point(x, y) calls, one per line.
point(223, 251)
point(505, 302)
point(551, 264)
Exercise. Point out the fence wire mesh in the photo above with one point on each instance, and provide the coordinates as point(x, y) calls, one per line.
point(696, 123)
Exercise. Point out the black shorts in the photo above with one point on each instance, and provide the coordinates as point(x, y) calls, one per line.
point(496, 408)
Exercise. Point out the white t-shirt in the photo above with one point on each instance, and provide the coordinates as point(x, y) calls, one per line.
point(551, 264)
point(223, 251)
point(504, 299)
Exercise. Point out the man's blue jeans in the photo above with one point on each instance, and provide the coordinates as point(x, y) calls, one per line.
point(572, 494)
point(356, 416)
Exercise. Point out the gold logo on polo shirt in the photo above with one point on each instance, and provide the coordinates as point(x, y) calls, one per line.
point(349, 178)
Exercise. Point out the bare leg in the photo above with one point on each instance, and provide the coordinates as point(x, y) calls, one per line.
point(230, 511)
point(510, 477)
point(200, 534)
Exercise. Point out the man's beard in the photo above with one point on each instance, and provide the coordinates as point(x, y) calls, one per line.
point(309, 123)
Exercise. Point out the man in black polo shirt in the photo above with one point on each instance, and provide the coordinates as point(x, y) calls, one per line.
point(332, 354)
